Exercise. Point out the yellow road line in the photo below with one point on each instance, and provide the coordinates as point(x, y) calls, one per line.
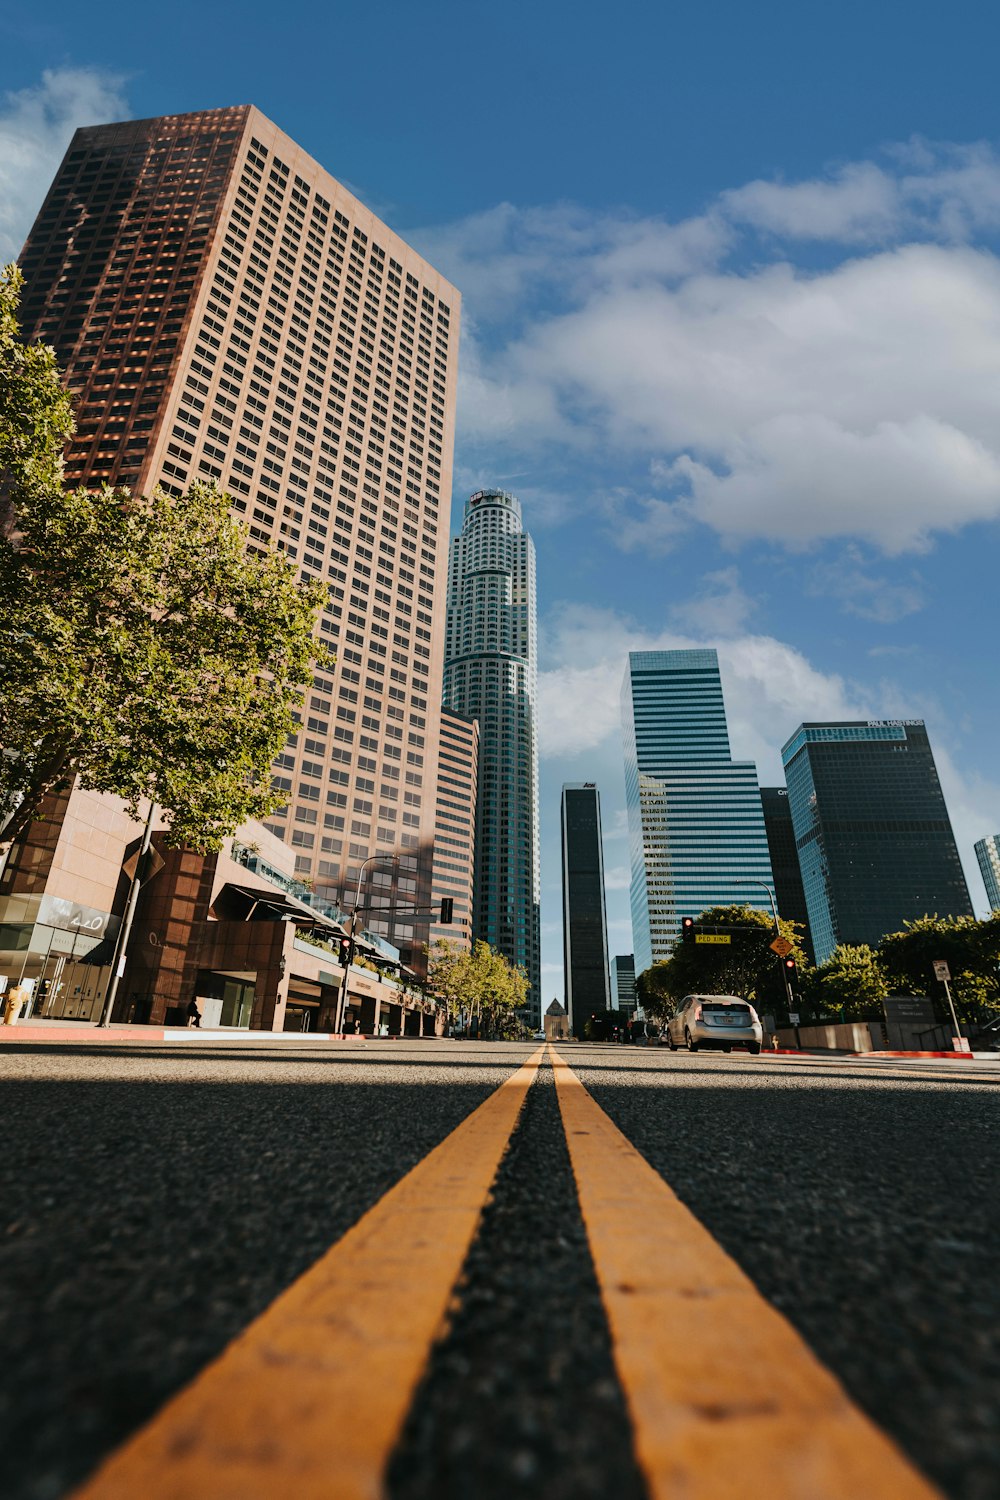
point(309, 1401)
point(725, 1397)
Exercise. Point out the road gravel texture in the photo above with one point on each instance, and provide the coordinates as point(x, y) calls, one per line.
point(521, 1398)
point(153, 1201)
point(865, 1204)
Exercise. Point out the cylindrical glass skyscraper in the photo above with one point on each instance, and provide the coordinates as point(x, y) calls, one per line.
point(490, 674)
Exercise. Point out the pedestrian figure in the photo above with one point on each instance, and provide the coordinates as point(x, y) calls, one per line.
point(193, 1013)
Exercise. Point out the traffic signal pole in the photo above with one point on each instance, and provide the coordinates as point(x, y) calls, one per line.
point(789, 997)
point(347, 957)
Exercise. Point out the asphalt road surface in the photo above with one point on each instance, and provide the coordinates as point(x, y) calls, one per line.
point(155, 1200)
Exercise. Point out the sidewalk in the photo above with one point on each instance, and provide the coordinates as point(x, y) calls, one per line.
point(88, 1032)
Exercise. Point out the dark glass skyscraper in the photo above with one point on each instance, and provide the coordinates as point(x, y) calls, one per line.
point(585, 927)
point(875, 842)
point(789, 896)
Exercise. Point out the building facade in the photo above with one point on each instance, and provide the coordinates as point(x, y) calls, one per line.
point(226, 311)
point(696, 826)
point(455, 840)
point(789, 895)
point(585, 924)
point(875, 842)
point(623, 995)
point(490, 674)
point(233, 930)
point(988, 855)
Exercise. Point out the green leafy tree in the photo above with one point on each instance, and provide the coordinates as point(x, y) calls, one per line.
point(143, 649)
point(655, 992)
point(745, 966)
point(480, 984)
point(850, 985)
point(971, 950)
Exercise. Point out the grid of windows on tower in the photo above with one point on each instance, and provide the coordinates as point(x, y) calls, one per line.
point(229, 313)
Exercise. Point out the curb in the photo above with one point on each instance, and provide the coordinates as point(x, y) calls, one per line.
point(94, 1035)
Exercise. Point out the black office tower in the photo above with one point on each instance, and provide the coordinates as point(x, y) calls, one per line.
point(585, 929)
point(789, 896)
point(875, 843)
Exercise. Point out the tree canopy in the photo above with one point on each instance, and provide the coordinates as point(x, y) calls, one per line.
point(143, 648)
point(745, 966)
point(971, 950)
point(481, 984)
point(850, 985)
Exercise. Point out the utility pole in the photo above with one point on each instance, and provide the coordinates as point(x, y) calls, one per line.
point(344, 988)
point(121, 946)
point(777, 934)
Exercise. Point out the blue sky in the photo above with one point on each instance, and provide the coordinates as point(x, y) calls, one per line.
point(731, 324)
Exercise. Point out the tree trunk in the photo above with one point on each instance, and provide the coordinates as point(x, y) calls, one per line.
point(51, 775)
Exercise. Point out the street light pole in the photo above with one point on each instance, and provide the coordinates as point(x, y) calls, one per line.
point(777, 932)
point(121, 947)
point(344, 988)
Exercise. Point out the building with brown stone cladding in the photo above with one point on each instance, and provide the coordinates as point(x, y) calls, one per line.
point(234, 930)
point(226, 310)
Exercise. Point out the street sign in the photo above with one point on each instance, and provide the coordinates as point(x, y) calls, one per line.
point(941, 970)
point(793, 1018)
point(961, 1044)
point(781, 946)
point(712, 937)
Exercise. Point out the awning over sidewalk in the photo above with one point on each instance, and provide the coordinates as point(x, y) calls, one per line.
point(270, 904)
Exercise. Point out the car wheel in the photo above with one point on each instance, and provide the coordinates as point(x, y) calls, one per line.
point(689, 1041)
point(672, 1045)
point(727, 1049)
point(754, 1049)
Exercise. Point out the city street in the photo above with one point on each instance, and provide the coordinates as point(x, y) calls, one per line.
point(573, 1332)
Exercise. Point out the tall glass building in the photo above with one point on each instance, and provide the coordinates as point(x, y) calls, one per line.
point(585, 924)
point(875, 842)
point(988, 855)
point(490, 674)
point(623, 995)
point(696, 827)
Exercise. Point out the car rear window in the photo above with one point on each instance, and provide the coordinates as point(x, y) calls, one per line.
point(725, 1005)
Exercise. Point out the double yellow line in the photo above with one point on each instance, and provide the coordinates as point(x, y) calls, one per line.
point(725, 1398)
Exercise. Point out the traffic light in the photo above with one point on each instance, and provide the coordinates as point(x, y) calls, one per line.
point(788, 964)
point(447, 911)
point(687, 928)
point(345, 952)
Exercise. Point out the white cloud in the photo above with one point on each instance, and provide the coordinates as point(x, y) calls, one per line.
point(860, 202)
point(856, 402)
point(861, 592)
point(721, 608)
point(36, 125)
point(770, 687)
point(771, 399)
point(617, 878)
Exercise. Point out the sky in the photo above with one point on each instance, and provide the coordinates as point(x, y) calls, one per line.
point(731, 325)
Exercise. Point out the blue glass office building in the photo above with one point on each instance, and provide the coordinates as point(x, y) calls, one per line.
point(875, 842)
point(988, 855)
point(490, 674)
point(696, 826)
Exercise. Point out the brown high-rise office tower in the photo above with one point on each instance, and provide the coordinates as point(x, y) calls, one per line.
point(225, 310)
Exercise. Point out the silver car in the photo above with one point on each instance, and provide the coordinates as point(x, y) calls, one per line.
point(720, 1021)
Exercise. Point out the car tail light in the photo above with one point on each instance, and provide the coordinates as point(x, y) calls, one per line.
point(753, 1014)
point(697, 1013)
